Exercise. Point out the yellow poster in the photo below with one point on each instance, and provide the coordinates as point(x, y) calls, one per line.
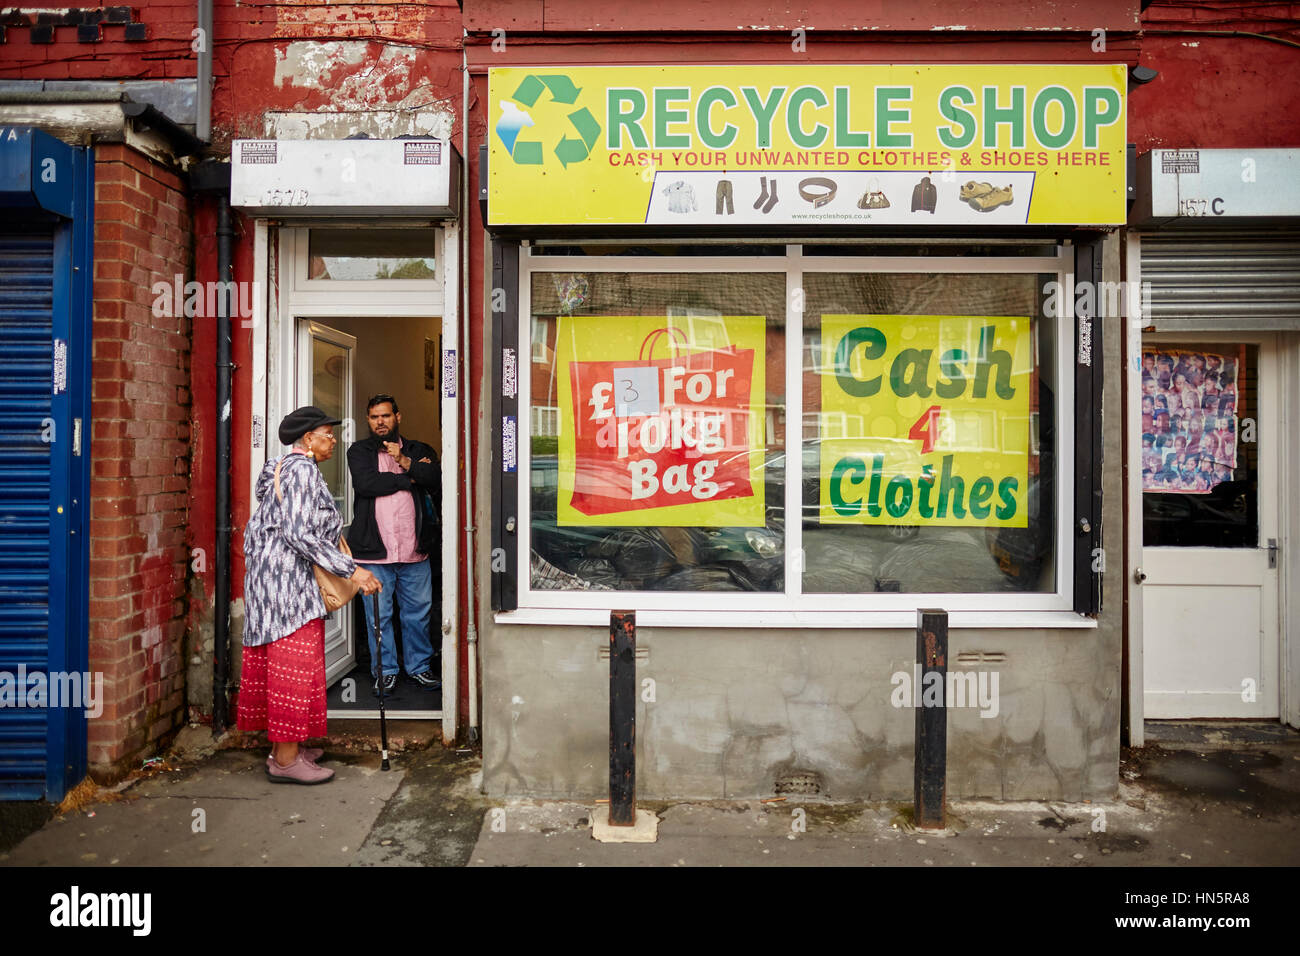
point(879, 144)
point(661, 420)
point(931, 420)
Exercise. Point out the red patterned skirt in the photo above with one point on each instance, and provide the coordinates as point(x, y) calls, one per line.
point(282, 689)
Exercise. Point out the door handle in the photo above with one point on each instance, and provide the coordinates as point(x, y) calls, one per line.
point(1139, 575)
point(1272, 552)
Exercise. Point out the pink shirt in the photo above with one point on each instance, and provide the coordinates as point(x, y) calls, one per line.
point(395, 515)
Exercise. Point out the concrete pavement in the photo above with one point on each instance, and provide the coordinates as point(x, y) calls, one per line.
point(1187, 802)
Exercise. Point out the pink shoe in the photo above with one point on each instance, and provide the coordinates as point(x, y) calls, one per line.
point(311, 754)
point(300, 771)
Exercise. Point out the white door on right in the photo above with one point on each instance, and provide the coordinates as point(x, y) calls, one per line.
point(1209, 420)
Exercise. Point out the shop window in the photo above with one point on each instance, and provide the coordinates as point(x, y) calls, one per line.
point(924, 477)
point(354, 255)
point(935, 399)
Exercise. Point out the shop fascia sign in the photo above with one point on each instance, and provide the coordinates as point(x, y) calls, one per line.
point(350, 177)
point(879, 145)
point(1192, 185)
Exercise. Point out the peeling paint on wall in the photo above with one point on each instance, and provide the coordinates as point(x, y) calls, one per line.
point(350, 76)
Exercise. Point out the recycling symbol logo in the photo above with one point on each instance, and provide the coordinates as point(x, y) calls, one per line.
point(530, 152)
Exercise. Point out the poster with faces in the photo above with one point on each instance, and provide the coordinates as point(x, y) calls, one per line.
point(1189, 418)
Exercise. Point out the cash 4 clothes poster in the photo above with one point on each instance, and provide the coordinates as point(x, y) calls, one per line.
point(934, 420)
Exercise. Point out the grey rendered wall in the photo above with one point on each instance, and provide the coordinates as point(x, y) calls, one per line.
point(736, 708)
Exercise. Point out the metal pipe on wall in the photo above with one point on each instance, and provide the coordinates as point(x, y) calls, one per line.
point(203, 97)
point(221, 575)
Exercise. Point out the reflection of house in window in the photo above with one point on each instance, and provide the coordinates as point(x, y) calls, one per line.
point(969, 429)
point(812, 355)
point(541, 340)
point(544, 421)
point(705, 329)
point(828, 425)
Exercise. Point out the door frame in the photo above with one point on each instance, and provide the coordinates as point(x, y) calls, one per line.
point(1285, 348)
point(279, 255)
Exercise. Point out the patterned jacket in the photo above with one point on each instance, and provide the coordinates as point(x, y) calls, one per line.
point(282, 541)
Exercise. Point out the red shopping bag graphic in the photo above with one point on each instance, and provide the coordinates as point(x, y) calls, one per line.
point(657, 432)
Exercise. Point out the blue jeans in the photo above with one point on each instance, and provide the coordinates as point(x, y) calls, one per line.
point(412, 586)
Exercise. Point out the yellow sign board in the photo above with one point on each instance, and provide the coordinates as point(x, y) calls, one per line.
point(931, 417)
point(661, 420)
point(852, 144)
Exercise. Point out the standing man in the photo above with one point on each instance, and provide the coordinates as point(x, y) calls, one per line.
point(394, 530)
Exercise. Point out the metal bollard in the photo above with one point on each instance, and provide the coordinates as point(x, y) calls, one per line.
point(622, 718)
point(931, 764)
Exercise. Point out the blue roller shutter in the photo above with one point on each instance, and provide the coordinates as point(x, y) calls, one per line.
point(45, 265)
point(26, 383)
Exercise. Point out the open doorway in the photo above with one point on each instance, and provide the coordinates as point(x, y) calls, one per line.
point(343, 366)
point(360, 313)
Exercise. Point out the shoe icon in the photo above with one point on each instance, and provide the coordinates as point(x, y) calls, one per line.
point(973, 190)
point(992, 200)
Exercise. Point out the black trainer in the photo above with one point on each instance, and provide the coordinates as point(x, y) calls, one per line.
point(427, 680)
point(390, 684)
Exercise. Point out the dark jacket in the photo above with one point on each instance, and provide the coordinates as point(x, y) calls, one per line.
point(423, 482)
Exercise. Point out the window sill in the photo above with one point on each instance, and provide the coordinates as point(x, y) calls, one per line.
point(874, 620)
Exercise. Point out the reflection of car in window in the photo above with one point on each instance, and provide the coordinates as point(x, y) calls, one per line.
point(650, 558)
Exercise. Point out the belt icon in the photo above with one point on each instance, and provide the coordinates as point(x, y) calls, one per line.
point(808, 186)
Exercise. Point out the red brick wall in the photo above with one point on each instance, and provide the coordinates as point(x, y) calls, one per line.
point(139, 458)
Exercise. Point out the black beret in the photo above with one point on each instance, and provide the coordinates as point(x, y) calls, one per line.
point(302, 420)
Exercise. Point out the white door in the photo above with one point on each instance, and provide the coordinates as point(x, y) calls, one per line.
point(1210, 526)
point(325, 359)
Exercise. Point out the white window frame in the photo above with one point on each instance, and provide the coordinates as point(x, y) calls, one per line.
point(793, 608)
point(398, 293)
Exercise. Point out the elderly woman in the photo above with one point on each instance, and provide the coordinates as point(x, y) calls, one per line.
point(296, 526)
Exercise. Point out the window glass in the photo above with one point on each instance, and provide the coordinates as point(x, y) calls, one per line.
point(361, 254)
point(928, 445)
point(1199, 458)
point(656, 421)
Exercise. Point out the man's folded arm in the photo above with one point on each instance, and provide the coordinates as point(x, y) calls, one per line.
point(367, 480)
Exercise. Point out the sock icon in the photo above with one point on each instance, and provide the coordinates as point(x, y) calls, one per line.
point(762, 196)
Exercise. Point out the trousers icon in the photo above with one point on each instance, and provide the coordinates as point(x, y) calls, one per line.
point(724, 196)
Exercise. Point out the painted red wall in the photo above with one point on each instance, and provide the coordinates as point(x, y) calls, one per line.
point(1226, 92)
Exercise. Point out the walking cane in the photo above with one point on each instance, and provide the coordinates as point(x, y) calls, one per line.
point(379, 651)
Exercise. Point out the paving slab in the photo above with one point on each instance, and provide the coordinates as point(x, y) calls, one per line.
point(222, 812)
point(1172, 809)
